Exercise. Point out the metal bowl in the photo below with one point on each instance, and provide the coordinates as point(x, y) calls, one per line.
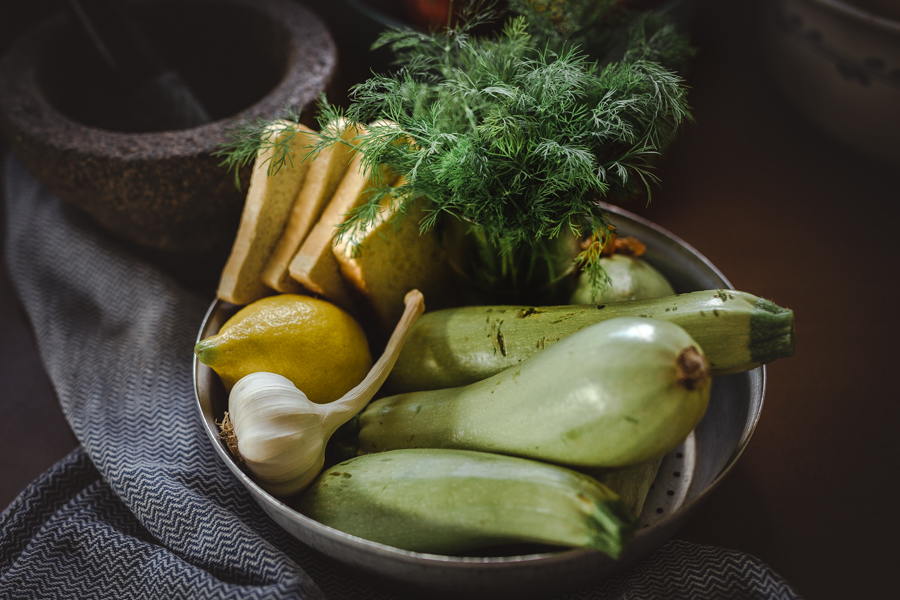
point(686, 476)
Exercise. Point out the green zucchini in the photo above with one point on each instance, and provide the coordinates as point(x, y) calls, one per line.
point(630, 278)
point(632, 484)
point(452, 501)
point(615, 394)
point(459, 346)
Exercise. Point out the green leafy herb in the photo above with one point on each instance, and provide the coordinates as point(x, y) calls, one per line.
point(522, 132)
point(249, 138)
point(519, 138)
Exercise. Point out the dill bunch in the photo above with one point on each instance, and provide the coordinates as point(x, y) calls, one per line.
point(519, 135)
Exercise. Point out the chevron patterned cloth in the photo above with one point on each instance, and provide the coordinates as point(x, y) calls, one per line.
point(144, 508)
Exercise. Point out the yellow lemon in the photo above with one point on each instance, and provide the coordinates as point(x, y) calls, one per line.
point(318, 346)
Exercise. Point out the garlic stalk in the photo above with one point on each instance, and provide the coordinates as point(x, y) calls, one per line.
point(281, 435)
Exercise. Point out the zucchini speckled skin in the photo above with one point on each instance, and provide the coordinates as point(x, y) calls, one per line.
point(451, 501)
point(458, 346)
point(615, 394)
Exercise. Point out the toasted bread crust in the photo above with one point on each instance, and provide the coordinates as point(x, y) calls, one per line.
point(266, 209)
point(322, 180)
point(392, 257)
point(314, 265)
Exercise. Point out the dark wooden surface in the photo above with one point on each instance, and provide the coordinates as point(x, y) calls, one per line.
point(786, 213)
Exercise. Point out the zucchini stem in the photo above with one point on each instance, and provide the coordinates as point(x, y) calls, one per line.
point(772, 333)
point(692, 370)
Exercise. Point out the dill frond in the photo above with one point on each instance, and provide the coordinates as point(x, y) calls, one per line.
point(521, 139)
point(249, 138)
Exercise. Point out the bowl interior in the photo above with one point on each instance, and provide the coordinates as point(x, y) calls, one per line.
point(685, 476)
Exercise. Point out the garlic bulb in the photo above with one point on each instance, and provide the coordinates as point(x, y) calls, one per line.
point(281, 435)
point(277, 431)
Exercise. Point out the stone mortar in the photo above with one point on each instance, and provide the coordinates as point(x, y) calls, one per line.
point(162, 191)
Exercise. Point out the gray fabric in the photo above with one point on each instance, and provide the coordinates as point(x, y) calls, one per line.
point(144, 508)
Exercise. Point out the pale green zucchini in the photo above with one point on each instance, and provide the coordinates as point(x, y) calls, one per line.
point(631, 484)
point(452, 501)
point(630, 278)
point(615, 394)
point(457, 346)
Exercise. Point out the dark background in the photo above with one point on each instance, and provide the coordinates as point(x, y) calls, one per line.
point(787, 214)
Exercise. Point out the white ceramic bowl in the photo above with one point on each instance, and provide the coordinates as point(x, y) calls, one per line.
point(840, 65)
point(686, 475)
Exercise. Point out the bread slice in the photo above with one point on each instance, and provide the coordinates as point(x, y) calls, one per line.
point(392, 257)
point(324, 176)
point(315, 266)
point(266, 209)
